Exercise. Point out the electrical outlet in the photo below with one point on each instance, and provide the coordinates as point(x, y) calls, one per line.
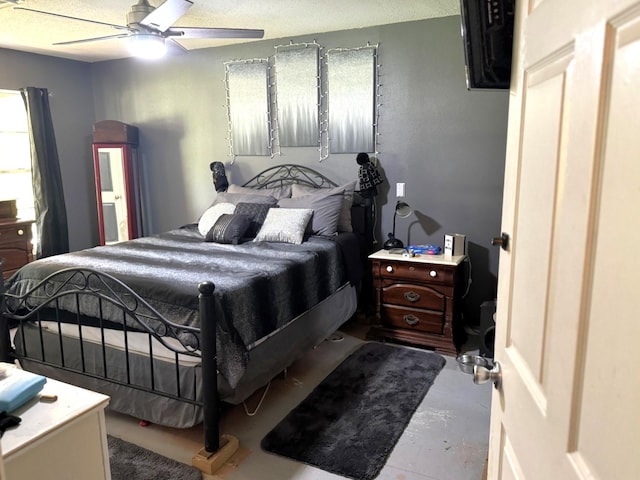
point(399, 190)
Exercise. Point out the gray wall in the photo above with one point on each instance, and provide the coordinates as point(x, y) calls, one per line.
point(445, 143)
point(71, 100)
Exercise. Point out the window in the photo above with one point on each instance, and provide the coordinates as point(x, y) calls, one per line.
point(15, 154)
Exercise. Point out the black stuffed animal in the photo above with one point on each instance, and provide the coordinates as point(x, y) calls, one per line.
point(220, 181)
point(368, 176)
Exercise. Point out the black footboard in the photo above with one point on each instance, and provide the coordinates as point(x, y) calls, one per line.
point(64, 304)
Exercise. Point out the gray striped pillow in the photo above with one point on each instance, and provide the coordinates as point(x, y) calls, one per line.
point(229, 228)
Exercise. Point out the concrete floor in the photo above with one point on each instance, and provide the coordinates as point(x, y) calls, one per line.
point(447, 438)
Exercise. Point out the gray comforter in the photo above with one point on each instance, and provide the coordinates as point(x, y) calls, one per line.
point(259, 286)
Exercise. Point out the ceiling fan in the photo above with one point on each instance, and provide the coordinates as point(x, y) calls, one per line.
point(151, 29)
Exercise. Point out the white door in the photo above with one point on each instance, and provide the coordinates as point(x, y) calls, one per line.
point(114, 194)
point(568, 317)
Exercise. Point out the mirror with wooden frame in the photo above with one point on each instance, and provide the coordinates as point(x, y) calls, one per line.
point(115, 161)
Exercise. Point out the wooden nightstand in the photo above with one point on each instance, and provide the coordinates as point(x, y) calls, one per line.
point(15, 244)
point(416, 299)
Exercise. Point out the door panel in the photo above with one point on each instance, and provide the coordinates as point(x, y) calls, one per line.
point(566, 316)
point(541, 147)
point(605, 358)
point(510, 468)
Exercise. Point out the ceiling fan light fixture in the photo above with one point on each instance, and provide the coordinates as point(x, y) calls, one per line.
point(147, 45)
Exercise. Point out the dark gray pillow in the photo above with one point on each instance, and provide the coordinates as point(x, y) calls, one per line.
point(277, 192)
point(344, 222)
point(229, 228)
point(235, 198)
point(326, 210)
point(256, 212)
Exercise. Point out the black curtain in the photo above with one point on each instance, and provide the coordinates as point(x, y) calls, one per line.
point(48, 196)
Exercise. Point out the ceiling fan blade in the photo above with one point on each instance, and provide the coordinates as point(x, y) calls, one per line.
point(95, 39)
point(72, 18)
point(174, 48)
point(166, 14)
point(193, 32)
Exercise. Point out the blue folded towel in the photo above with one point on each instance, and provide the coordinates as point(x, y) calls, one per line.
point(17, 387)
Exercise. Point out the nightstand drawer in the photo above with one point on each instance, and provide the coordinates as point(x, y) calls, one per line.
point(416, 296)
point(437, 274)
point(14, 235)
point(413, 319)
point(15, 245)
point(14, 258)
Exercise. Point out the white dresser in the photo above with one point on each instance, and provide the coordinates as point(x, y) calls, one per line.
point(58, 440)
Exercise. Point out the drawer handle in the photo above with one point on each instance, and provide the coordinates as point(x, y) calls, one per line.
point(20, 232)
point(412, 296)
point(433, 274)
point(389, 268)
point(411, 320)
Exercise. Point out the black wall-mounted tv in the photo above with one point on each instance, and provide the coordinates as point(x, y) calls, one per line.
point(487, 35)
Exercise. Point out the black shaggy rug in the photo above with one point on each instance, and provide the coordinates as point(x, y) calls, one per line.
point(350, 422)
point(131, 462)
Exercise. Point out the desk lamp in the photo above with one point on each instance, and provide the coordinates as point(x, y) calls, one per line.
point(402, 210)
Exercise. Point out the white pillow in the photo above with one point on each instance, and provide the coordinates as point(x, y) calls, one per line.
point(211, 216)
point(284, 225)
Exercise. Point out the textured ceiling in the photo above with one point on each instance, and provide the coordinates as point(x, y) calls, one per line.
point(31, 32)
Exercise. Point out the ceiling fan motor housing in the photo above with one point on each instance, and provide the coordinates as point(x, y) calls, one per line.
point(138, 12)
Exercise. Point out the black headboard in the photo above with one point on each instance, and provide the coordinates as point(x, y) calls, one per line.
point(362, 211)
point(289, 174)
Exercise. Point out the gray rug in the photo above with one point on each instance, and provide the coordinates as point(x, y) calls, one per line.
point(350, 423)
point(131, 462)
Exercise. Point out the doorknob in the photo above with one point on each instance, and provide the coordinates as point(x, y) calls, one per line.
point(483, 375)
point(502, 241)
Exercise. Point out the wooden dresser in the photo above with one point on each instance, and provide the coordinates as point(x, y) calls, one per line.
point(15, 244)
point(417, 299)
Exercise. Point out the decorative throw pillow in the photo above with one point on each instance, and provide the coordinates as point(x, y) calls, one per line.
point(344, 222)
point(256, 212)
point(235, 198)
point(211, 215)
point(229, 228)
point(284, 225)
point(277, 192)
point(326, 210)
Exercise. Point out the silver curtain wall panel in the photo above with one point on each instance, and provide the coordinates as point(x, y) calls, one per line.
point(297, 95)
point(248, 107)
point(351, 100)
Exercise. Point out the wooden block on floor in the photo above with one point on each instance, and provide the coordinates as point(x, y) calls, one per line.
point(209, 462)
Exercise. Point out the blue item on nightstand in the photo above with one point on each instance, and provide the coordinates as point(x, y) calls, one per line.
point(427, 249)
point(18, 386)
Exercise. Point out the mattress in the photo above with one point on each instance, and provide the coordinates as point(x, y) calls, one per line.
point(259, 286)
point(169, 375)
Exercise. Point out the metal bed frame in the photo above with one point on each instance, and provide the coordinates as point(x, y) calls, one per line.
point(139, 316)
